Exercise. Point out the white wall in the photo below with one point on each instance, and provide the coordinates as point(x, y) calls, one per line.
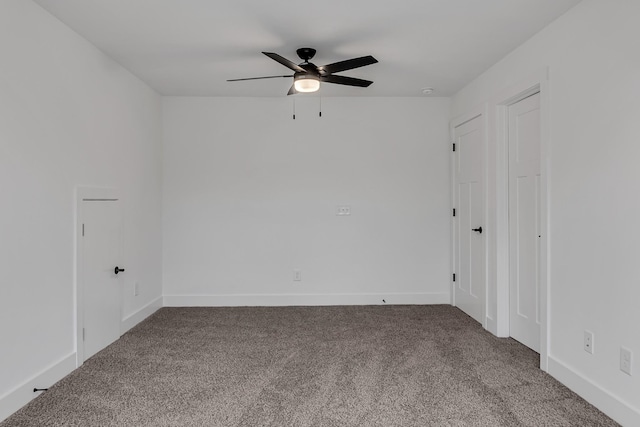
point(69, 116)
point(249, 195)
point(592, 55)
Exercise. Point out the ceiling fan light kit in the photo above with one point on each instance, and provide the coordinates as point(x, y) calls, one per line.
point(307, 76)
point(306, 83)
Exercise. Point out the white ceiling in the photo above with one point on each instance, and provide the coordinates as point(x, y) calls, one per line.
point(190, 47)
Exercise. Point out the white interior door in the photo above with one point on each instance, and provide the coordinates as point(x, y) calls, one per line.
point(470, 283)
point(524, 221)
point(102, 287)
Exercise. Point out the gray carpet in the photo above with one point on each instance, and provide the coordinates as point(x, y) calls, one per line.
point(310, 366)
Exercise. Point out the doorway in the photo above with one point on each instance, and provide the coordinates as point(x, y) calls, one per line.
point(99, 271)
point(524, 220)
point(469, 278)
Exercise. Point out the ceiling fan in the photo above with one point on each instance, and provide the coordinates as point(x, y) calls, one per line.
point(307, 76)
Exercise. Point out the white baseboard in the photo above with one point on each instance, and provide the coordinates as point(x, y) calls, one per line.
point(23, 394)
point(137, 317)
point(613, 406)
point(263, 300)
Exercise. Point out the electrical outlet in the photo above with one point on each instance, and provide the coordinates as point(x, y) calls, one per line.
point(588, 341)
point(136, 289)
point(626, 360)
point(343, 210)
point(297, 275)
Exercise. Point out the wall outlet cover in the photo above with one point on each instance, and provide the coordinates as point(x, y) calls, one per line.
point(588, 341)
point(626, 360)
point(343, 210)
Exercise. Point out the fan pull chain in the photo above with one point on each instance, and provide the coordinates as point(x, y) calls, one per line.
point(294, 108)
point(320, 112)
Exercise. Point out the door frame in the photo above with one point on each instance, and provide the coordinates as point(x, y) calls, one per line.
point(82, 194)
point(499, 109)
point(481, 112)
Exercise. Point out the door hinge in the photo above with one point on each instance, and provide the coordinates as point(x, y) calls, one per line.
point(454, 211)
point(454, 147)
point(454, 277)
point(83, 334)
point(82, 230)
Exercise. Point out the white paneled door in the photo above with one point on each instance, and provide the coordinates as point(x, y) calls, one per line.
point(470, 281)
point(524, 221)
point(102, 284)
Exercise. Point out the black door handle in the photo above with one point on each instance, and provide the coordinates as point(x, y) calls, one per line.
point(479, 230)
point(117, 270)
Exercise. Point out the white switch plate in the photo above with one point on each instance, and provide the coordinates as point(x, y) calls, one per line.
point(588, 341)
point(136, 289)
point(343, 210)
point(626, 360)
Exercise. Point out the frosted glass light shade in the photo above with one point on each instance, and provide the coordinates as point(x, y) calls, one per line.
point(306, 84)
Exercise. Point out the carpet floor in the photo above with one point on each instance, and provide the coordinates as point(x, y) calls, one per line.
point(310, 366)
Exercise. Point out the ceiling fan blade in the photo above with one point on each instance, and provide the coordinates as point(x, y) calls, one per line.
point(342, 80)
point(257, 78)
point(292, 91)
point(284, 61)
point(349, 64)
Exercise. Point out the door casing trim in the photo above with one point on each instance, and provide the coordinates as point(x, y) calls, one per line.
point(499, 140)
point(84, 194)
